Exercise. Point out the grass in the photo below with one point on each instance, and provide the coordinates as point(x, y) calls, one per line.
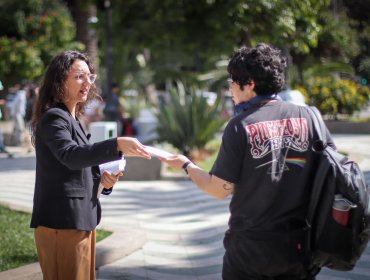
point(346, 118)
point(17, 240)
point(207, 164)
point(214, 147)
point(356, 119)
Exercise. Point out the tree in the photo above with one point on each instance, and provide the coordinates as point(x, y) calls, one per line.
point(184, 38)
point(341, 40)
point(337, 45)
point(18, 61)
point(34, 31)
point(84, 14)
point(358, 11)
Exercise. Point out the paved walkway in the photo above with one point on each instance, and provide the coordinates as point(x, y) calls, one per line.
point(184, 227)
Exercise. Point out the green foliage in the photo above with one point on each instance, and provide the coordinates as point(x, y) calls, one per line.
point(187, 40)
point(337, 39)
point(328, 68)
point(364, 67)
point(207, 163)
point(291, 24)
point(18, 60)
point(335, 96)
point(213, 147)
point(52, 32)
point(13, 14)
point(312, 69)
point(133, 105)
point(17, 239)
point(187, 121)
point(336, 42)
point(182, 39)
point(34, 31)
point(102, 234)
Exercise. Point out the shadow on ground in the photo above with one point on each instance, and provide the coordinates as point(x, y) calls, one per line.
point(17, 163)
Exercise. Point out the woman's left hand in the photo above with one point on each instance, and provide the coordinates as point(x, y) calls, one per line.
point(108, 179)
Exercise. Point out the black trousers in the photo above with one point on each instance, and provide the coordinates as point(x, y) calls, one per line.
point(266, 256)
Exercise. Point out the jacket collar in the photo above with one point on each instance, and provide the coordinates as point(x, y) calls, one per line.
point(75, 124)
point(241, 107)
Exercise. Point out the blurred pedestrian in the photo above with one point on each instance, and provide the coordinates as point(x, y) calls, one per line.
point(265, 162)
point(66, 207)
point(2, 145)
point(18, 113)
point(93, 112)
point(113, 110)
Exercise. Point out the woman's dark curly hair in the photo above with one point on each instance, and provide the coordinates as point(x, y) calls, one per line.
point(263, 64)
point(52, 90)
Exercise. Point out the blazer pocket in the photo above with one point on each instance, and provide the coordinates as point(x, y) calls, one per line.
point(74, 188)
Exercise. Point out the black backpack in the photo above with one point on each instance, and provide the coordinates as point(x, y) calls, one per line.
point(329, 243)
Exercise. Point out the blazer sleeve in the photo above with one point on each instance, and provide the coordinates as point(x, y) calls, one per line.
point(57, 133)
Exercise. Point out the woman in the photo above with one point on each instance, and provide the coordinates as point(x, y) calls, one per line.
point(66, 207)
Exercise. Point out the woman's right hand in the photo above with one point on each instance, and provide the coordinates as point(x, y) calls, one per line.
point(130, 146)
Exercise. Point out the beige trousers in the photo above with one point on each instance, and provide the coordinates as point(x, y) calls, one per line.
point(66, 254)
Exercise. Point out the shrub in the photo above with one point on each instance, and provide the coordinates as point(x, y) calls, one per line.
point(335, 96)
point(187, 121)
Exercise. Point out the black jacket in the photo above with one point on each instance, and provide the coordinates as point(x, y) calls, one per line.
point(67, 173)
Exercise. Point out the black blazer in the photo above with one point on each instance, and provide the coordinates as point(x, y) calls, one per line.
point(67, 173)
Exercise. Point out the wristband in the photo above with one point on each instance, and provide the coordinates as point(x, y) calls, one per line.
point(185, 166)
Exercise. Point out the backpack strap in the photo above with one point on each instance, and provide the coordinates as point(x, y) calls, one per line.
point(320, 128)
point(319, 124)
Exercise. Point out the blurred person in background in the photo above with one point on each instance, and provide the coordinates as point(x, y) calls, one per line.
point(2, 117)
point(2, 145)
point(113, 110)
point(18, 112)
point(93, 112)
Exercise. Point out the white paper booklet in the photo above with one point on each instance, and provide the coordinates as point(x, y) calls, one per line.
point(113, 167)
point(157, 152)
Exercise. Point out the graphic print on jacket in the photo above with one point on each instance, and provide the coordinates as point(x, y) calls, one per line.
point(278, 137)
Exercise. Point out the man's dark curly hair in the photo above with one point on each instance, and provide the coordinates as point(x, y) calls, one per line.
point(263, 64)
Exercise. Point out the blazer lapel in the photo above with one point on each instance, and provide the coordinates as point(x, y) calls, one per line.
point(76, 125)
point(80, 131)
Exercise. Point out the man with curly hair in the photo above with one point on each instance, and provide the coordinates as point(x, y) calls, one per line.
point(266, 165)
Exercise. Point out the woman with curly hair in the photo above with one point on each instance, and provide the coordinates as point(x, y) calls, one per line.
point(66, 207)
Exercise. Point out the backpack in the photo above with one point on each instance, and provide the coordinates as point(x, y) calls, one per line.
point(329, 243)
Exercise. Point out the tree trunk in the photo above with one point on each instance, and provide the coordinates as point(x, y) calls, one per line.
point(246, 38)
point(85, 18)
point(84, 15)
point(299, 60)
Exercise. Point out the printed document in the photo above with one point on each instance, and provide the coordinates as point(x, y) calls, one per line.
point(155, 152)
point(113, 167)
